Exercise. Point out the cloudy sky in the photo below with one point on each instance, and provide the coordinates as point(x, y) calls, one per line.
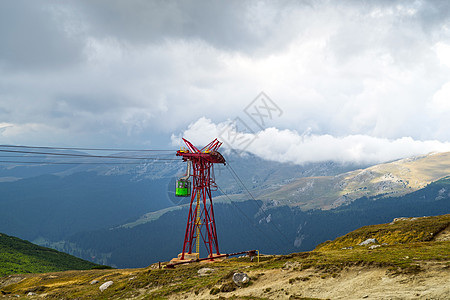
point(365, 81)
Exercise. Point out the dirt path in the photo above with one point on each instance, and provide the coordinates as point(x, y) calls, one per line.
point(351, 283)
point(444, 235)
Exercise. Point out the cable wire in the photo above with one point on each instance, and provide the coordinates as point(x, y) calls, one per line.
point(86, 155)
point(235, 176)
point(86, 149)
point(247, 217)
point(73, 163)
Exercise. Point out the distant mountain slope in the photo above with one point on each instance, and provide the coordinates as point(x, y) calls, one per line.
point(19, 256)
point(52, 207)
point(389, 179)
point(45, 202)
point(276, 228)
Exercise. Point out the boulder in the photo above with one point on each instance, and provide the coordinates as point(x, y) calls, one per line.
point(105, 285)
point(240, 279)
point(290, 265)
point(205, 271)
point(368, 241)
point(374, 246)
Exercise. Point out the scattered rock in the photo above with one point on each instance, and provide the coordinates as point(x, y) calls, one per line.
point(289, 265)
point(368, 241)
point(403, 219)
point(157, 265)
point(94, 281)
point(31, 294)
point(374, 246)
point(105, 285)
point(205, 271)
point(398, 219)
point(347, 248)
point(365, 296)
point(240, 279)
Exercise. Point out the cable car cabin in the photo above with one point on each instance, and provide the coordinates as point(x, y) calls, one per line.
point(183, 188)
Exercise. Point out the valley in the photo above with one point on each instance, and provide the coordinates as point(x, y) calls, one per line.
point(120, 215)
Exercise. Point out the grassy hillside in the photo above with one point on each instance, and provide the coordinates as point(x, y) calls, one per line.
point(19, 256)
point(390, 179)
point(400, 231)
point(388, 271)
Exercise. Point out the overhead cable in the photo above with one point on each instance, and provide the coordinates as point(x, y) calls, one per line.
point(87, 149)
point(87, 155)
point(238, 180)
point(73, 163)
point(247, 217)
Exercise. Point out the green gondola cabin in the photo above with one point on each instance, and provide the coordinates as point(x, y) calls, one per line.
point(183, 188)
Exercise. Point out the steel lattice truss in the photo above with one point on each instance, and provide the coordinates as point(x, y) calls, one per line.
point(203, 161)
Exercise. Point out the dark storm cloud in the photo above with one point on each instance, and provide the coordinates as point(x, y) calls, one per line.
point(32, 38)
point(245, 26)
point(240, 25)
point(129, 72)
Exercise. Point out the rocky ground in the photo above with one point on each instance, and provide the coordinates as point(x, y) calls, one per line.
point(358, 282)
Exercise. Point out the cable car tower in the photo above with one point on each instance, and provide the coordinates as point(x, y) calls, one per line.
point(200, 223)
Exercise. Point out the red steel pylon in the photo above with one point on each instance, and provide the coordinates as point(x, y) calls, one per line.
point(201, 222)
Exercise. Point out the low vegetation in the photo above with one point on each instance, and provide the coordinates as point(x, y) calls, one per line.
point(409, 245)
point(19, 256)
point(400, 231)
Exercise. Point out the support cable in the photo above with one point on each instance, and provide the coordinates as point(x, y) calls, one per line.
point(87, 155)
point(247, 217)
point(77, 163)
point(85, 149)
point(238, 180)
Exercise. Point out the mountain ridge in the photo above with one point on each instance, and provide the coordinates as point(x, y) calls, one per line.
point(389, 179)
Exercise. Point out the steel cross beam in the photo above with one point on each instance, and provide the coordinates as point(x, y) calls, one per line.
point(203, 161)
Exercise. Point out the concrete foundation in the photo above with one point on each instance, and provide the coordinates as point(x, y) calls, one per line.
point(187, 257)
point(194, 256)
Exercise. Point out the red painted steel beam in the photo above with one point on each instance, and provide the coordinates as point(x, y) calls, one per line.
point(203, 179)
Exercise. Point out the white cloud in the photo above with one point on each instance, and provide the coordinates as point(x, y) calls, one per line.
point(443, 53)
point(441, 100)
point(290, 146)
point(143, 70)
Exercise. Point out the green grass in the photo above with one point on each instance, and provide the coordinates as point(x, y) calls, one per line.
point(19, 256)
point(400, 232)
point(409, 253)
